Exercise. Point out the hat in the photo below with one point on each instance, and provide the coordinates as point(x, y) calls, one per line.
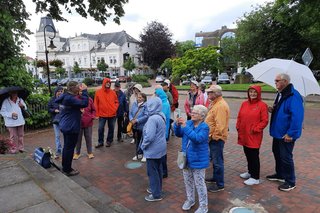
point(195, 83)
point(214, 88)
point(138, 86)
point(167, 81)
point(117, 84)
point(164, 84)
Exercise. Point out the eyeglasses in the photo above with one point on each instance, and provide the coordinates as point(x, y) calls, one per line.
point(195, 113)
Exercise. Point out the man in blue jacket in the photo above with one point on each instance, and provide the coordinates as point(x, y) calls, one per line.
point(285, 128)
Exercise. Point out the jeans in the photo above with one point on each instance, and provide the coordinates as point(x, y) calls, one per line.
point(120, 127)
point(57, 138)
point(70, 141)
point(102, 123)
point(154, 171)
point(164, 165)
point(216, 152)
point(87, 132)
point(253, 160)
point(283, 156)
point(137, 135)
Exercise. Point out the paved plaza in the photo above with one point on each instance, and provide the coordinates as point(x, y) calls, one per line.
point(108, 172)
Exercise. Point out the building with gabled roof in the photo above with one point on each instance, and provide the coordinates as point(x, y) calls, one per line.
point(87, 49)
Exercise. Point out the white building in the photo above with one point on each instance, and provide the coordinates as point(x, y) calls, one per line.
point(87, 49)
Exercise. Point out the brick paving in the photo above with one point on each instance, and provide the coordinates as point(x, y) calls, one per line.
point(107, 171)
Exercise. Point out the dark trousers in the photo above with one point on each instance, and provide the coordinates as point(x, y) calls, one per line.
point(70, 141)
point(87, 132)
point(120, 127)
point(253, 160)
point(154, 171)
point(137, 135)
point(283, 156)
point(164, 165)
point(102, 123)
point(216, 152)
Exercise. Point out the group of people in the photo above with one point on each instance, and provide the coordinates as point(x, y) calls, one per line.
point(204, 131)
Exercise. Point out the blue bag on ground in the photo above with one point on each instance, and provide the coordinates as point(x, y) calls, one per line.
point(42, 158)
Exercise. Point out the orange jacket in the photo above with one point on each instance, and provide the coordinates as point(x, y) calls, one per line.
point(106, 101)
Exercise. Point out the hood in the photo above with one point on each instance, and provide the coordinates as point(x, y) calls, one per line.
point(256, 88)
point(105, 81)
point(57, 89)
point(154, 106)
point(161, 94)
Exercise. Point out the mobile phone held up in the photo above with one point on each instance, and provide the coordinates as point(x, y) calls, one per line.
point(178, 113)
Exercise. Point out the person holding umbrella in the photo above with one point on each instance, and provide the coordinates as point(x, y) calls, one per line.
point(13, 118)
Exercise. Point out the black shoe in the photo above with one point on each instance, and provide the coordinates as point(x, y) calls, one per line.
point(210, 180)
point(275, 177)
point(286, 187)
point(215, 188)
point(165, 176)
point(73, 172)
point(108, 144)
point(99, 145)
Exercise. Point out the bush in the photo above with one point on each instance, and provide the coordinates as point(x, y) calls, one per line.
point(140, 78)
point(91, 93)
point(88, 81)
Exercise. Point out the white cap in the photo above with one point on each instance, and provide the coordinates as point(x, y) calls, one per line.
point(195, 83)
point(138, 86)
point(214, 88)
point(167, 81)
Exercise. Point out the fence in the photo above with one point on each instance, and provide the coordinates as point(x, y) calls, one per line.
point(40, 118)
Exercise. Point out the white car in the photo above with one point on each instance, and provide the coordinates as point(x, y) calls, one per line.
point(159, 79)
point(114, 79)
point(207, 80)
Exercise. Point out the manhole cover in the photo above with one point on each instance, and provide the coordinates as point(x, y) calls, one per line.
point(241, 210)
point(133, 165)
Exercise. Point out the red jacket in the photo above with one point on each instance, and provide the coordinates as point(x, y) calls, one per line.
point(106, 101)
point(88, 115)
point(252, 119)
point(175, 96)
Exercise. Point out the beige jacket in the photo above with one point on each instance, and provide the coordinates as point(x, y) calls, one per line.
point(218, 119)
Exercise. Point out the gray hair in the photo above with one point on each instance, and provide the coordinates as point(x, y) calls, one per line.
point(201, 109)
point(285, 76)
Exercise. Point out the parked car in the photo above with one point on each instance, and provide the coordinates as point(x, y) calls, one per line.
point(98, 80)
point(114, 79)
point(223, 79)
point(159, 79)
point(123, 79)
point(207, 80)
point(186, 82)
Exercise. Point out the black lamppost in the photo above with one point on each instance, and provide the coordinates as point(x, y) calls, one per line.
point(51, 46)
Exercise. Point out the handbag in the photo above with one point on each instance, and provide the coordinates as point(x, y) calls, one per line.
point(25, 113)
point(182, 158)
point(42, 158)
point(130, 124)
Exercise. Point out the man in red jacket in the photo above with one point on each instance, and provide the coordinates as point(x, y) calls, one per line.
point(175, 103)
point(106, 104)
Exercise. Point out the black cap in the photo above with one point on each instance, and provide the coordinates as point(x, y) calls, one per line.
point(117, 84)
point(164, 84)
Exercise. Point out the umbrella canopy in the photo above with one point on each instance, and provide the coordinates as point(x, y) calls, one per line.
point(4, 93)
point(301, 76)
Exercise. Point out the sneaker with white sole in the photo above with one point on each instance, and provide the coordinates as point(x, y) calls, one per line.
point(135, 158)
point(132, 141)
point(143, 159)
point(251, 181)
point(286, 187)
point(150, 198)
point(187, 205)
point(245, 175)
point(202, 209)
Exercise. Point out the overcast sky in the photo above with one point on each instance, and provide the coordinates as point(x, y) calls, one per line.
point(182, 17)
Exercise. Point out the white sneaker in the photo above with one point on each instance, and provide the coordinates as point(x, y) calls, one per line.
point(251, 181)
point(245, 175)
point(143, 159)
point(187, 205)
point(132, 141)
point(135, 158)
point(202, 209)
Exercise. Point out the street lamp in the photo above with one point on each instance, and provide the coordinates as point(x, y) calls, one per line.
point(51, 46)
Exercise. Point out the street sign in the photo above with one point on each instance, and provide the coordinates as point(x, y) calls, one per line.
point(307, 57)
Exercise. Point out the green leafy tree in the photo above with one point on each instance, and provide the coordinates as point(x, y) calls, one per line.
point(60, 71)
point(156, 44)
point(196, 61)
point(129, 64)
point(56, 63)
point(229, 49)
point(102, 66)
point(167, 66)
point(76, 68)
point(184, 46)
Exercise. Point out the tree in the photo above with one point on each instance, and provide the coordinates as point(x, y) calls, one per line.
point(229, 49)
point(102, 66)
point(196, 61)
point(156, 44)
point(184, 46)
point(129, 64)
point(76, 68)
point(167, 66)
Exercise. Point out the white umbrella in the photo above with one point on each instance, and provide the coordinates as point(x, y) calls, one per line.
point(301, 76)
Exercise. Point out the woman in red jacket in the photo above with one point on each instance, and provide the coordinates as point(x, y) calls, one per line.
point(252, 119)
